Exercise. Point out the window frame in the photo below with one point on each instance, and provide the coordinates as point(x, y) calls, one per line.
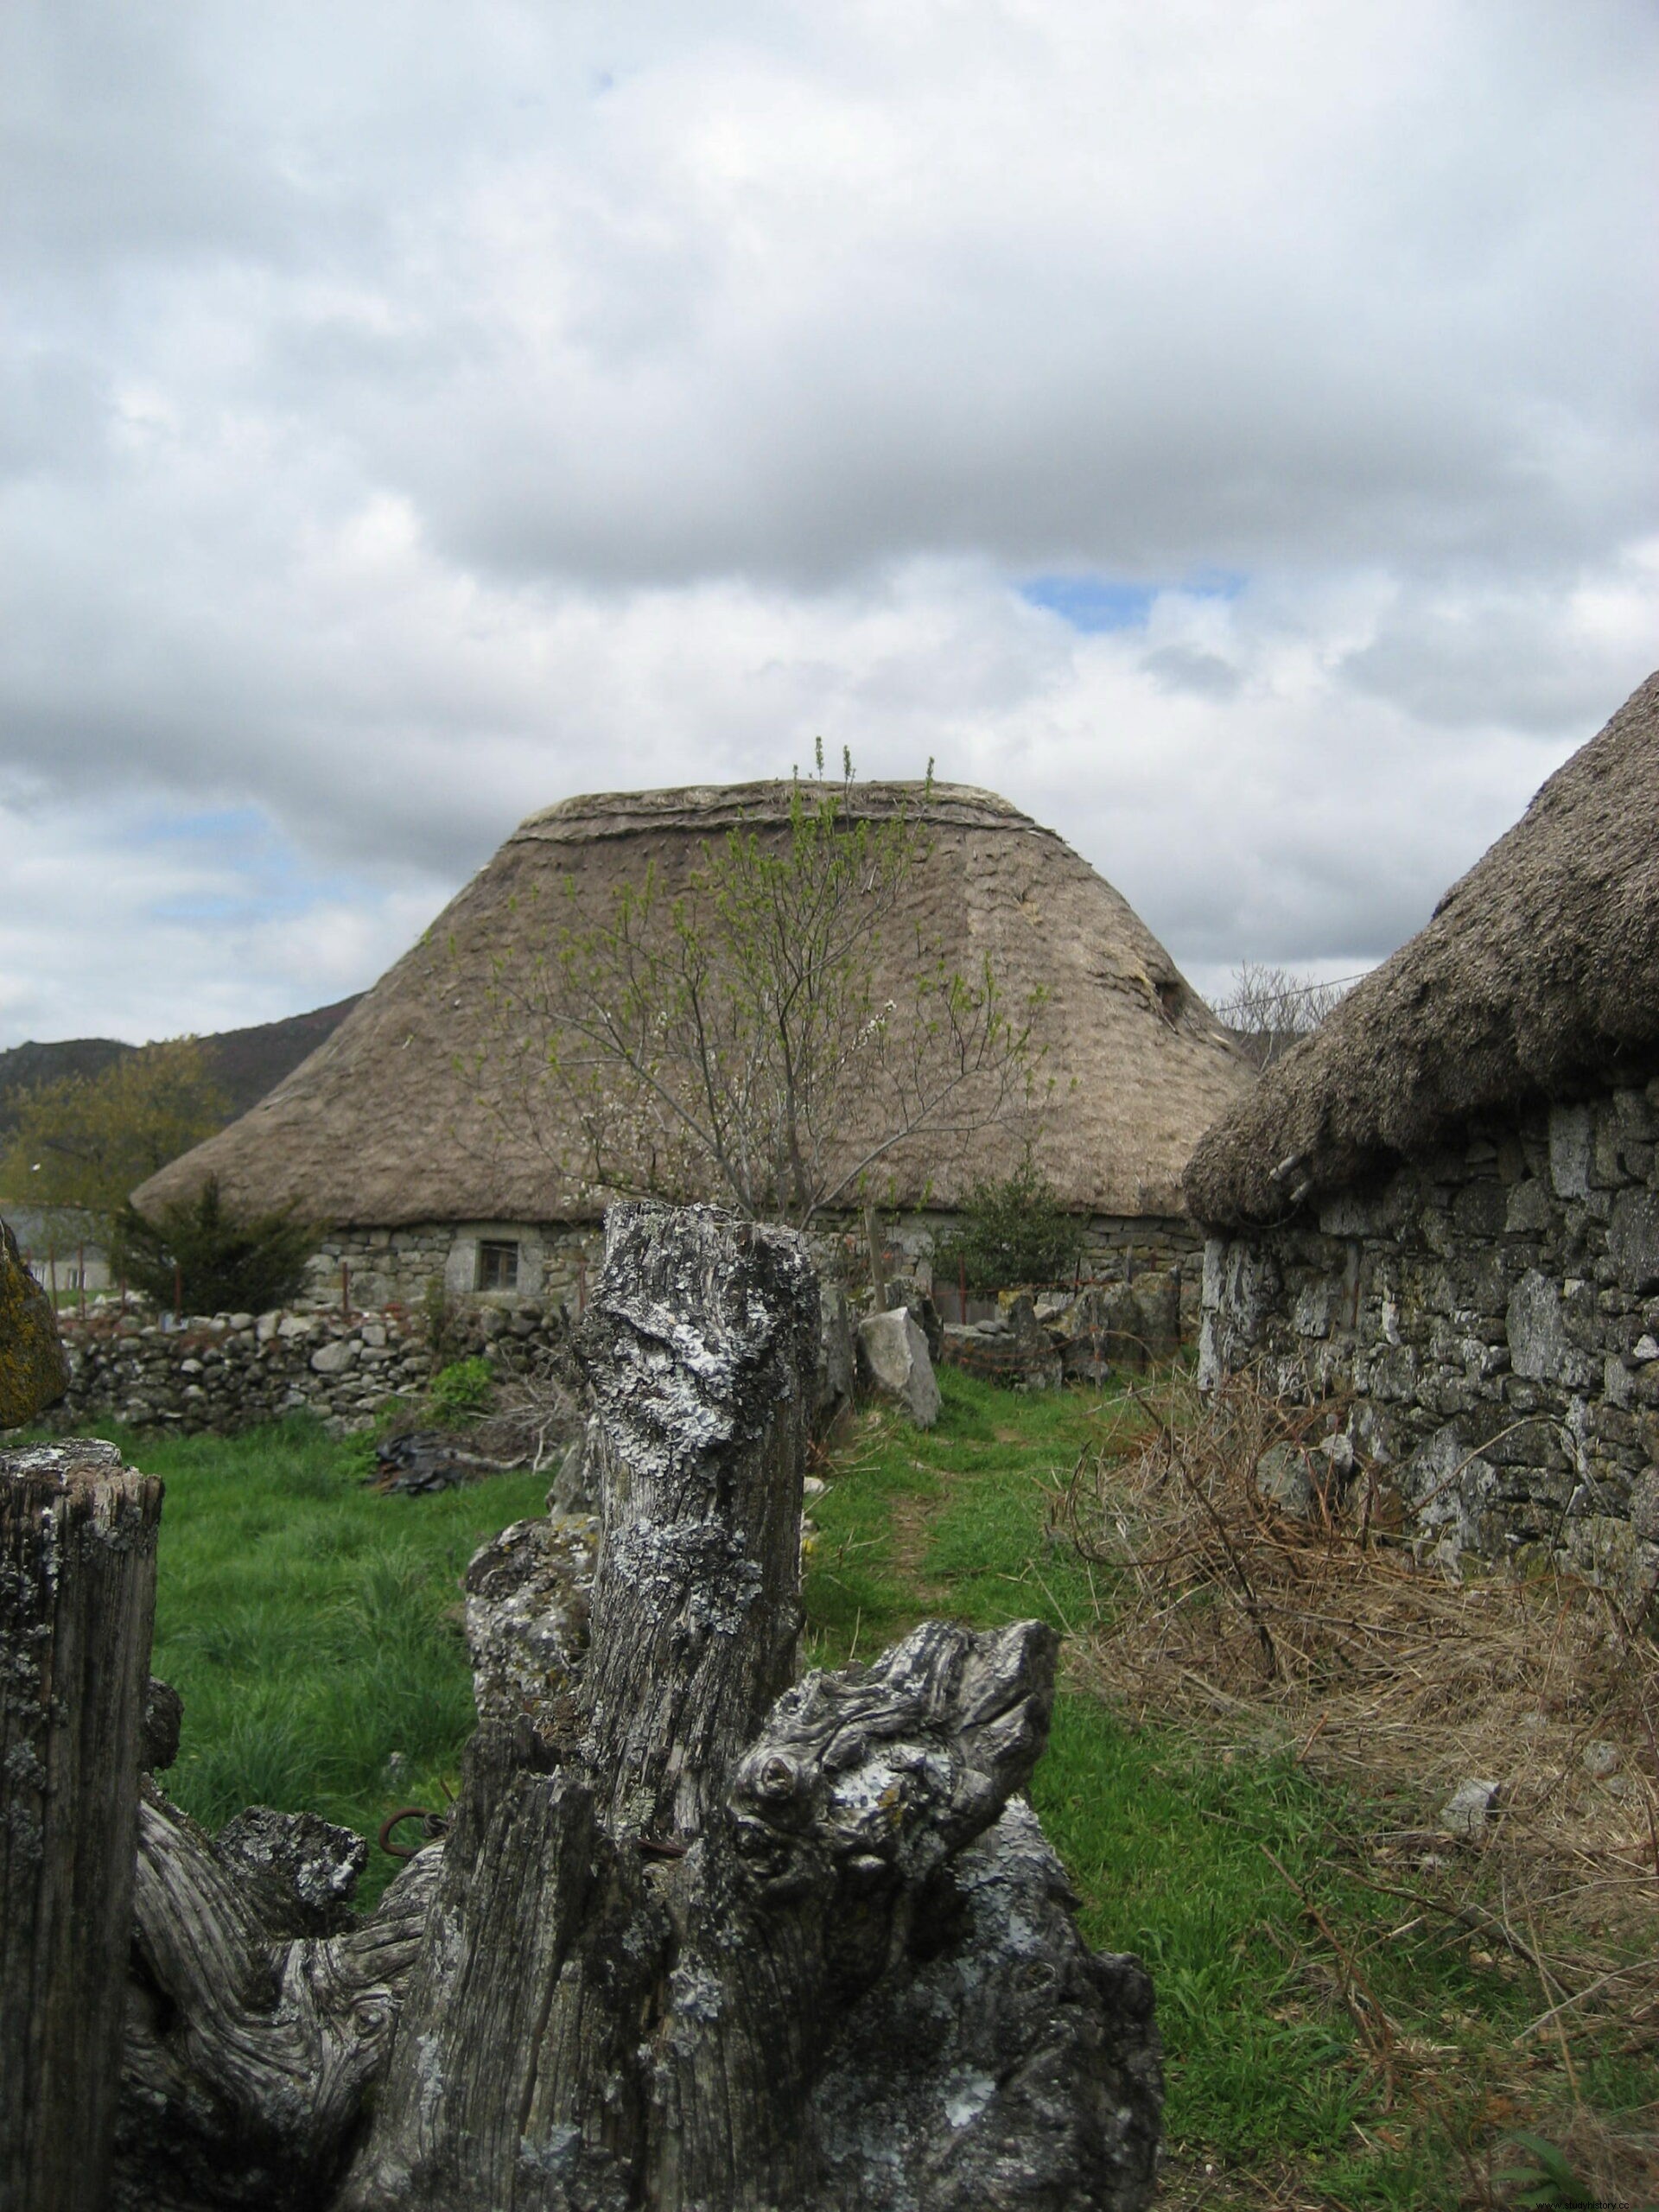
point(498, 1257)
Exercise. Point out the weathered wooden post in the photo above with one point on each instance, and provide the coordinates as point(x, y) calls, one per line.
point(77, 1601)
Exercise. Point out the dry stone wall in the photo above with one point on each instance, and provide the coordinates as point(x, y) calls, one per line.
point(231, 1371)
point(409, 1267)
point(1493, 1308)
point(1126, 1252)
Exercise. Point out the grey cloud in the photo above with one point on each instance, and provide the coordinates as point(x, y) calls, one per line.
point(1185, 670)
point(116, 140)
point(1491, 656)
point(409, 420)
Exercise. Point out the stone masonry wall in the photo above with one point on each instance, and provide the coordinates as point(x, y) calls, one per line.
point(231, 1371)
point(1494, 1309)
point(404, 1267)
point(557, 1260)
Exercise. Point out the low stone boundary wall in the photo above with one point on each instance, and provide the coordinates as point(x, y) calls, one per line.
point(1037, 1340)
point(230, 1371)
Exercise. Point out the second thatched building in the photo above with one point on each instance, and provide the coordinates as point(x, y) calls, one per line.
point(1441, 1210)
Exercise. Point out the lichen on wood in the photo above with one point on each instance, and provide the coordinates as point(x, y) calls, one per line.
point(251, 2038)
point(77, 1602)
point(712, 1941)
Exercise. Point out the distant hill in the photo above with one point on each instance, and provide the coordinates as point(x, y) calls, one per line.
point(247, 1063)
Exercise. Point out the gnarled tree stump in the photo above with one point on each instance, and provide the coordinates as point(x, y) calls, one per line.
point(703, 1940)
point(697, 1940)
point(259, 2010)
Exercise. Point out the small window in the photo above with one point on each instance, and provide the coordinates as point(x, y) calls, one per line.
point(498, 1267)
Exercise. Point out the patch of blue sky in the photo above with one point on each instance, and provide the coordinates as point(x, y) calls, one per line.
point(253, 873)
point(1096, 603)
point(214, 826)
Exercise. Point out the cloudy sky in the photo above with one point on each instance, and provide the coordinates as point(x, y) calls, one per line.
point(1225, 427)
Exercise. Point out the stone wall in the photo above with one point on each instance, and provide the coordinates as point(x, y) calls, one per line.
point(231, 1371)
point(1118, 1252)
point(405, 1266)
point(557, 1260)
point(1493, 1307)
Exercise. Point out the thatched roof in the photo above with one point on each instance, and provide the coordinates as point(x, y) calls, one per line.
point(1538, 978)
point(384, 1124)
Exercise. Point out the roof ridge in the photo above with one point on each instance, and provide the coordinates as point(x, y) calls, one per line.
point(705, 806)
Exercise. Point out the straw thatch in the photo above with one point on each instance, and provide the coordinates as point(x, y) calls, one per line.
point(1538, 978)
point(386, 1124)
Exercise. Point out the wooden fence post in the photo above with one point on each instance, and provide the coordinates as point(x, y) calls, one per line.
point(77, 1604)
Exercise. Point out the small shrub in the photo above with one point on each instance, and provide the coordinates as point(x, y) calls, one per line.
point(1013, 1232)
point(221, 1262)
point(462, 1390)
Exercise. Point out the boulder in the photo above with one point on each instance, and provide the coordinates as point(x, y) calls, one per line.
point(1123, 1328)
point(1042, 1363)
point(894, 1362)
point(34, 1370)
point(1158, 1297)
point(919, 1304)
point(1469, 1806)
point(1282, 1478)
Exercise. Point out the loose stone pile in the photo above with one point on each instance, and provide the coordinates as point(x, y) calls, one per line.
point(1038, 1341)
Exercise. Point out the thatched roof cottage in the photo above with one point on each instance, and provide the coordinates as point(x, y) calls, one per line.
point(392, 1134)
point(1446, 1200)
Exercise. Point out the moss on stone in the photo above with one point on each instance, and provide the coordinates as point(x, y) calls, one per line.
point(33, 1369)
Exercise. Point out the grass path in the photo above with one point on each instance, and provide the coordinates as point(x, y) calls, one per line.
point(1234, 1875)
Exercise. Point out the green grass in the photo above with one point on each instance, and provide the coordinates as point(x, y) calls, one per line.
point(313, 1627)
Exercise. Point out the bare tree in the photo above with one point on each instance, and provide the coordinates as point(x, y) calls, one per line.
point(1268, 1009)
point(740, 1035)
